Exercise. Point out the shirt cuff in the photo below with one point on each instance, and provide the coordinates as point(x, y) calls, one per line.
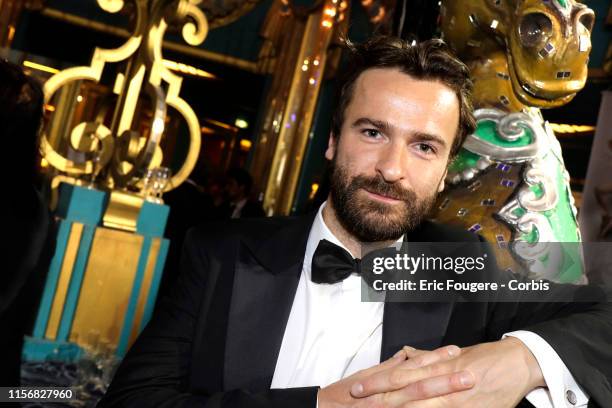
point(562, 390)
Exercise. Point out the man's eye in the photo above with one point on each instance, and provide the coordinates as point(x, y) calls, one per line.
point(426, 148)
point(371, 132)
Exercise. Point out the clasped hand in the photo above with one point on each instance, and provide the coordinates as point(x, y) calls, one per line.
point(497, 374)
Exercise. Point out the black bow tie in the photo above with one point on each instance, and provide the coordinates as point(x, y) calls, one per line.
point(332, 264)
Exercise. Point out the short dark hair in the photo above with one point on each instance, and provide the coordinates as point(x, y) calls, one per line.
point(429, 60)
point(21, 104)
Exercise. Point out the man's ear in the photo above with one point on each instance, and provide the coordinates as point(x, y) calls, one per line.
point(331, 147)
point(441, 186)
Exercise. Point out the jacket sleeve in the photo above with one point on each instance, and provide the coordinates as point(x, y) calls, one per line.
point(156, 370)
point(576, 320)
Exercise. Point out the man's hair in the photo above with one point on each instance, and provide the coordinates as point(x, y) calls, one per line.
point(427, 60)
point(21, 102)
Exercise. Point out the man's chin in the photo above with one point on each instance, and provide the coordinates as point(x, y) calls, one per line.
point(389, 226)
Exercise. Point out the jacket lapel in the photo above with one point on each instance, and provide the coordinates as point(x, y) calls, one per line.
point(267, 273)
point(419, 325)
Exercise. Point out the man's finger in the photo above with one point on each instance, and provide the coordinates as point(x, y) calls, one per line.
point(419, 358)
point(394, 361)
point(431, 388)
point(396, 378)
point(416, 358)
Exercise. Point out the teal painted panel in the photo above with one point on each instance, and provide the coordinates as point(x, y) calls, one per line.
point(79, 204)
point(44, 350)
point(55, 267)
point(76, 280)
point(152, 219)
point(128, 319)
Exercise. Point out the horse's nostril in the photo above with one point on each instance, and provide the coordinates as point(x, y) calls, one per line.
point(535, 29)
point(587, 19)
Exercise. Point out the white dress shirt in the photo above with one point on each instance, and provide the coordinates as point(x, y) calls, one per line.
point(332, 334)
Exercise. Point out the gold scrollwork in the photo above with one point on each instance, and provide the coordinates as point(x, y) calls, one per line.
point(127, 153)
point(193, 33)
point(91, 138)
point(159, 73)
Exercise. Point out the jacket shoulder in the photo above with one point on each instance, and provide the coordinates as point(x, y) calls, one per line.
point(246, 229)
point(432, 231)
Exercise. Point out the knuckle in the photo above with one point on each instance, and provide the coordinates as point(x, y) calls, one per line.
point(420, 389)
point(434, 370)
point(419, 360)
point(396, 378)
point(453, 350)
point(455, 383)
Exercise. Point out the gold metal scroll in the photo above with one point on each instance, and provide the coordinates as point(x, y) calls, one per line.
point(121, 150)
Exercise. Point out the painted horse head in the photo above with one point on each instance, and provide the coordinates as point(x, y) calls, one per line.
point(521, 52)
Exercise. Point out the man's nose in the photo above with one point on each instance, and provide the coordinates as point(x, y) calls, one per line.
point(391, 163)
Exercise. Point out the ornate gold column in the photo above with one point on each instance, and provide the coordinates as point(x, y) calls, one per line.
point(292, 101)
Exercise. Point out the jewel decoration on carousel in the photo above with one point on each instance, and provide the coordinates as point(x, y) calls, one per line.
point(122, 153)
point(509, 181)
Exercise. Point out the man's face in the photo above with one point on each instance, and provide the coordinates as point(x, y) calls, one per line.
point(233, 189)
point(390, 159)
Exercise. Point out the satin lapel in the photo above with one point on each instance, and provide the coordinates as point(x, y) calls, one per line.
point(266, 279)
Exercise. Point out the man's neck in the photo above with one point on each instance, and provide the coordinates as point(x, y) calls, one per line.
point(354, 245)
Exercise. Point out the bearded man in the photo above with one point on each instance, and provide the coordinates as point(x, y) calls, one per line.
point(261, 317)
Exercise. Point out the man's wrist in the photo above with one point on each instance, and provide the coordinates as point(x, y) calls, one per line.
point(535, 375)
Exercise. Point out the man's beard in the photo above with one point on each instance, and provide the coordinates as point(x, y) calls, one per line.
point(373, 221)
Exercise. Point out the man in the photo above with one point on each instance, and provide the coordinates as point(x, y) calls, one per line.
point(258, 321)
point(238, 190)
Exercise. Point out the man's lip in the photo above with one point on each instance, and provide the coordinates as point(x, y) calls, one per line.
point(382, 197)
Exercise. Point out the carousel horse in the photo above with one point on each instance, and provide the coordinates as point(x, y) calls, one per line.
point(508, 182)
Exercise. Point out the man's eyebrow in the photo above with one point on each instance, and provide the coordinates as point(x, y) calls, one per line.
point(428, 137)
point(386, 127)
point(381, 125)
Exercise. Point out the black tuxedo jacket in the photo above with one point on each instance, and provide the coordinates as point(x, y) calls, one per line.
point(215, 339)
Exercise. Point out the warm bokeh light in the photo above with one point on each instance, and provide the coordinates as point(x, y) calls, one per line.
point(40, 67)
point(313, 190)
point(241, 123)
point(245, 145)
point(565, 128)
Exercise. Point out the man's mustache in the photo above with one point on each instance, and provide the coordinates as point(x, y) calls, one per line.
point(378, 185)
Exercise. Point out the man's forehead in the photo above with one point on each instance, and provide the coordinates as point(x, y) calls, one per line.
point(393, 78)
point(384, 88)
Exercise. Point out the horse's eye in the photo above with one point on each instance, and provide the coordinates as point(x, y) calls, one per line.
point(535, 28)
